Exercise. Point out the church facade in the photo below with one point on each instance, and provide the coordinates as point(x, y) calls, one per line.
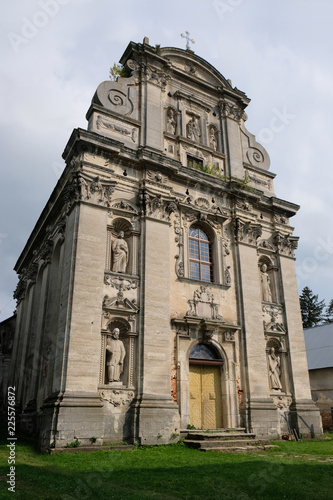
point(158, 290)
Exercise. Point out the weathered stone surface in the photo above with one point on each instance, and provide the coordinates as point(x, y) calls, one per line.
point(164, 228)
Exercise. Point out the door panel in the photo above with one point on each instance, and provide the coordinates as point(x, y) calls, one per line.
point(211, 397)
point(205, 397)
point(195, 396)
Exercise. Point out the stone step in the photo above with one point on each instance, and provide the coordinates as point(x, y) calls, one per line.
point(88, 449)
point(240, 449)
point(223, 444)
point(220, 436)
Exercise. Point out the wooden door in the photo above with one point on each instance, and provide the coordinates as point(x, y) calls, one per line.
point(205, 396)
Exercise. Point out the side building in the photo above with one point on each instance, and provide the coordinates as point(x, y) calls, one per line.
point(158, 288)
point(319, 351)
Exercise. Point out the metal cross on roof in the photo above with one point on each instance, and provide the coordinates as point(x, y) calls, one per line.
point(188, 39)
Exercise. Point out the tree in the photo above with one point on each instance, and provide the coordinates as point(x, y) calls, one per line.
point(328, 316)
point(311, 308)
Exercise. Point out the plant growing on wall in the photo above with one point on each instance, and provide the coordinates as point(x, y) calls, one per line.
point(117, 70)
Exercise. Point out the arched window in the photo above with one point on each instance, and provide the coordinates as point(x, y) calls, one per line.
point(204, 354)
point(200, 255)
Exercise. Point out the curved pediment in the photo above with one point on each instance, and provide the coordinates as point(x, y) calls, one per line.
point(193, 65)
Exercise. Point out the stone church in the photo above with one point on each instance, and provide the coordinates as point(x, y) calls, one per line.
point(158, 290)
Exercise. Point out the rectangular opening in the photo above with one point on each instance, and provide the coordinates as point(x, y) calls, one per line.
point(194, 163)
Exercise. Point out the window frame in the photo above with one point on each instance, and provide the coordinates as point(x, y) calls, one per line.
point(201, 262)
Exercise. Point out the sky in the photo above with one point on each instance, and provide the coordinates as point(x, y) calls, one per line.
point(55, 53)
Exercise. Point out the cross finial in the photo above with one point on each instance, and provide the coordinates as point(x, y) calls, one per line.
point(188, 39)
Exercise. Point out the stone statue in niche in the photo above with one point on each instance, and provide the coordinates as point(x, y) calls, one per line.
point(119, 254)
point(115, 356)
point(274, 369)
point(265, 284)
point(171, 121)
point(212, 138)
point(192, 130)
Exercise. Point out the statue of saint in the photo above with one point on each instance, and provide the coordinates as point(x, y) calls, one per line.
point(116, 354)
point(212, 139)
point(192, 130)
point(266, 284)
point(119, 254)
point(274, 369)
point(171, 121)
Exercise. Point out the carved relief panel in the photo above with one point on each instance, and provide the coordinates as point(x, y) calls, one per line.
point(193, 129)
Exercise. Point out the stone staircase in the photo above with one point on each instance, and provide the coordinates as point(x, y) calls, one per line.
point(225, 441)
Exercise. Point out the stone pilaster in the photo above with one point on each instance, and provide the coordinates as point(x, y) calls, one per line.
point(158, 414)
point(260, 411)
point(305, 416)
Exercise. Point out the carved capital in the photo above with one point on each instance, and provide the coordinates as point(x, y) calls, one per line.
point(286, 243)
point(229, 337)
point(156, 77)
point(247, 232)
point(20, 290)
point(229, 110)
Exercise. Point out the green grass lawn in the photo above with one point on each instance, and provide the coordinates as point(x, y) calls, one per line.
point(302, 470)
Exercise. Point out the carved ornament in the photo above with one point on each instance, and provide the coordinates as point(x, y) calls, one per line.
point(95, 190)
point(247, 232)
point(117, 397)
point(113, 125)
point(255, 159)
point(202, 203)
point(183, 330)
point(231, 111)
point(227, 276)
point(218, 210)
point(273, 319)
point(281, 219)
point(157, 77)
point(286, 243)
point(121, 283)
point(244, 205)
point(124, 205)
point(266, 245)
point(203, 305)
point(282, 402)
point(157, 177)
point(229, 337)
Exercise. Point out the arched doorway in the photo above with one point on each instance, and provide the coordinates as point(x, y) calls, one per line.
point(205, 387)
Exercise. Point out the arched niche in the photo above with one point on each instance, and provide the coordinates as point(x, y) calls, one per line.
point(276, 366)
point(121, 253)
point(171, 120)
point(268, 279)
point(127, 339)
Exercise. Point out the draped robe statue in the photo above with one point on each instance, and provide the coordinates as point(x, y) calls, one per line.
point(266, 284)
point(119, 254)
point(116, 354)
point(274, 369)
